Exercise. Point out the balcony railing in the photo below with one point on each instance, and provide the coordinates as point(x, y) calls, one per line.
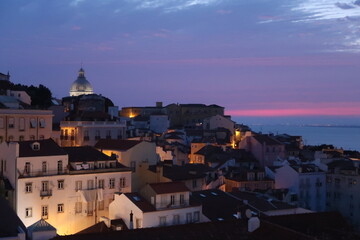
point(46, 193)
point(38, 173)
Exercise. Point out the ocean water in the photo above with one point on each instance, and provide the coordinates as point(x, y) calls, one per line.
point(342, 133)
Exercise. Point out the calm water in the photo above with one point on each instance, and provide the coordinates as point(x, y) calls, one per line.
point(346, 137)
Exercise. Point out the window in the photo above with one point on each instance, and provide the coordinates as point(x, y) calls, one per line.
point(32, 137)
point(108, 134)
point(44, 212)
point(78, 207)
point(44, 167)
point(133, 166)
point(60, 184)
point(11, 123)
point(162, 221)
point(101, 165)
point(138, 223)
point(28, 212)
point(194, 183)
point(78, 185)
point(41, 137)
point(11, 138)
point(44, 186)
point(97, 135)
point(172, 199)
point(196, 216)
point(42, 123)
point(1, 139)
point(86, 135)
point(1, 122)
point(27, 167)
point(32, 123)
point(122, 182)
point(60, 208)
point(112, 183)
point(188, 217)
point(21, 138)
point(182, 199)
point(90, 184)
point(101, 183)
point(90, 208)
point(101, 205)
point(176, 219)
point(60, 166)
point(21, 124)
point(28, 187)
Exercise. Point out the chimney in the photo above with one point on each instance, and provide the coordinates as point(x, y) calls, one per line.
point(131, 225)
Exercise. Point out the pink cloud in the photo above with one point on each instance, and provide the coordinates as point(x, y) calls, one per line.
point(301, 109)
point(223, 12)
point(76, 28)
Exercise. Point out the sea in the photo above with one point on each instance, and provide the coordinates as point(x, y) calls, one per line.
point(340, 132)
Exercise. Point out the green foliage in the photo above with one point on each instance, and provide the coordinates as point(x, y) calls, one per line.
point(40, 96)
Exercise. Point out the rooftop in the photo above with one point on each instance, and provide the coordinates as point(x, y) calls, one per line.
point(168, 187)
point(86, 154)
point(47, 147)
point(116, 144)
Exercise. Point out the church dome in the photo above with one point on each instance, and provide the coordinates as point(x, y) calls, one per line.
point(81, 86)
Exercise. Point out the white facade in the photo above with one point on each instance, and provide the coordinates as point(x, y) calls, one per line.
point(87, 133)
point(308, 184)
point(219, 121)
point(20, 95)
point(25, 124)
point(70, 200)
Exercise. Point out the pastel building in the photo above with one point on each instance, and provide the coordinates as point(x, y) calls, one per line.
point(157, 204)
point(68, 187)
point(25, 124)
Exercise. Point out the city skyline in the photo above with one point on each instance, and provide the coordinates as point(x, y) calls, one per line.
point(260, 59)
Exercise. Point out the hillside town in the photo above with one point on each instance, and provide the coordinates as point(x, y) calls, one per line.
point(81, 167)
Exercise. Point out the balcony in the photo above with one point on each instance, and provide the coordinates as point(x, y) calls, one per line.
point(38, 173)
point(46, 193)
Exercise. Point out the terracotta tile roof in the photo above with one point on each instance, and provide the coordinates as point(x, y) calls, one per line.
point(48, 147)
point(114, 144)
point(186, 172)
point(86, 154)
point(224, 230)
point(140, 202)
point(266, 139)
point(169, 187)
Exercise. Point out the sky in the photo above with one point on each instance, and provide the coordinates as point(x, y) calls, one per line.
point(260, 58)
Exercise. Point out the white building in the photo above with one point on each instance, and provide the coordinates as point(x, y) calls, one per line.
point(69, 187)
point(25, 124)
point(307, 181)
point(159, 123)
point(87, 133)
point(160, 204)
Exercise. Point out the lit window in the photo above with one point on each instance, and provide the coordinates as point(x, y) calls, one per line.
point(60, 184)
point(28, 212)
point(28, 187)
point(60, 208)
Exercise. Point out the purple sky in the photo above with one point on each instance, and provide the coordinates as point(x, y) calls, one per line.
point(255, 58)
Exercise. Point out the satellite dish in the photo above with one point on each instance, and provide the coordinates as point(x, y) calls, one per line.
point(248, 213)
